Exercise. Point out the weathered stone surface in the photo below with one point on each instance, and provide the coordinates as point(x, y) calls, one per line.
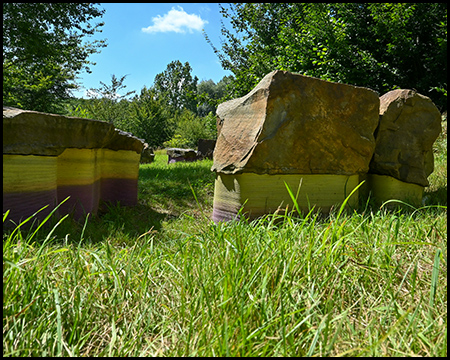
point(47, 158)
point(147, 155)
point(178, 154)
point(294, 124)
point(409, 125)
point(31, 132)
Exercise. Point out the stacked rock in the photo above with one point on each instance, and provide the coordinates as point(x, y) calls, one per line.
point(403, 158)
point(48, 157)
point(314, 136)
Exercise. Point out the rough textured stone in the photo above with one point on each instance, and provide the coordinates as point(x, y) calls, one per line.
point(294, 124)
point(31, 132)
point(409, 125)
point(47, 158)
point(178, 154)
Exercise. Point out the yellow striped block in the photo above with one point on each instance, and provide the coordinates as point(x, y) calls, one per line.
point(79, 167)
point(29, 173)
point(261, 194)
point(88, 176)
point(120, 164)
point(86, 166)
point(386, 188)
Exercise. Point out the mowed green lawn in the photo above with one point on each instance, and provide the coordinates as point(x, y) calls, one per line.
point(160, 279)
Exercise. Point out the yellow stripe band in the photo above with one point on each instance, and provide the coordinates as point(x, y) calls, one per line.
point(29, 173)
point(386, 188)
point(120, 164)
point(87, 175)
point(85, 166)
point(261, 194)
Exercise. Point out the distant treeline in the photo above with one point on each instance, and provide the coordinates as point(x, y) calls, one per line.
point(382, 46)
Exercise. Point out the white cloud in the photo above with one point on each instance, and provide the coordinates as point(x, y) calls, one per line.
point(176, 20)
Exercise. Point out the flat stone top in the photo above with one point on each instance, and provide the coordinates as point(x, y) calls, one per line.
point(28, 132)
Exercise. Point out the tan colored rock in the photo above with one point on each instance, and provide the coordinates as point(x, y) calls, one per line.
point(37, 133)
point(409, 125)
point(48, 158)
point(294, 124)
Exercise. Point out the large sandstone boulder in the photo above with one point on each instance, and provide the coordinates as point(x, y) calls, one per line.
point(409, 125)
point(315, 136)
point(48, 157)
point(294, 124)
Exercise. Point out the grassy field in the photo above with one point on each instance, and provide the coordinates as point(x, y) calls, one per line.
point(160, 279)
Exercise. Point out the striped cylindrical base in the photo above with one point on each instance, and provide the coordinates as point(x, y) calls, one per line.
point(88, 176)
point(384, 188)
point(259, 194)
point(29, 184)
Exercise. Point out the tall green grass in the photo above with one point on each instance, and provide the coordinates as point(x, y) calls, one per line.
point(161, 279)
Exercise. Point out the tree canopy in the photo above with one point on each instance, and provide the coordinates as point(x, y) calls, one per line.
point(378, 45)
point(44, 49)
point(177, 86)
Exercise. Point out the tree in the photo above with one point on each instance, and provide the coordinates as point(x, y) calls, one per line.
point(148, 120)
point(381, 46)
point(177, 86)
point(190, 128)
point(108, 104)
point(210, 94)
point(44, 49)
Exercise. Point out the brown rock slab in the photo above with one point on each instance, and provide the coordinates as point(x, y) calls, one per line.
point(409, 125)
point(294, 124)
point(179, 154)
point(31, 132)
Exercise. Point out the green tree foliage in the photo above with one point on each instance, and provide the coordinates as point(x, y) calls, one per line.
point(177, 87)
point(148, 120)
point(190, 128)
point(44, 48)
point(143, 115)
point(108, 105)
point(210, 94)
point(379, 45)
point(151, 115)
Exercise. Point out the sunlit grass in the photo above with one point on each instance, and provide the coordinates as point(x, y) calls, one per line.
point(160, 279)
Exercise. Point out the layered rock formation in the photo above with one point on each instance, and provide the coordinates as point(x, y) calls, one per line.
point(409, 125)
point(48, 157)
point(291, 124)
point(403, 157)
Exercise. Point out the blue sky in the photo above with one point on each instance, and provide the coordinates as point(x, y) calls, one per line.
point(143, 38)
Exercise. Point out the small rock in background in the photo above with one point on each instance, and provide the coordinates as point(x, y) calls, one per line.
point(147, 155)
point(178, 154)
